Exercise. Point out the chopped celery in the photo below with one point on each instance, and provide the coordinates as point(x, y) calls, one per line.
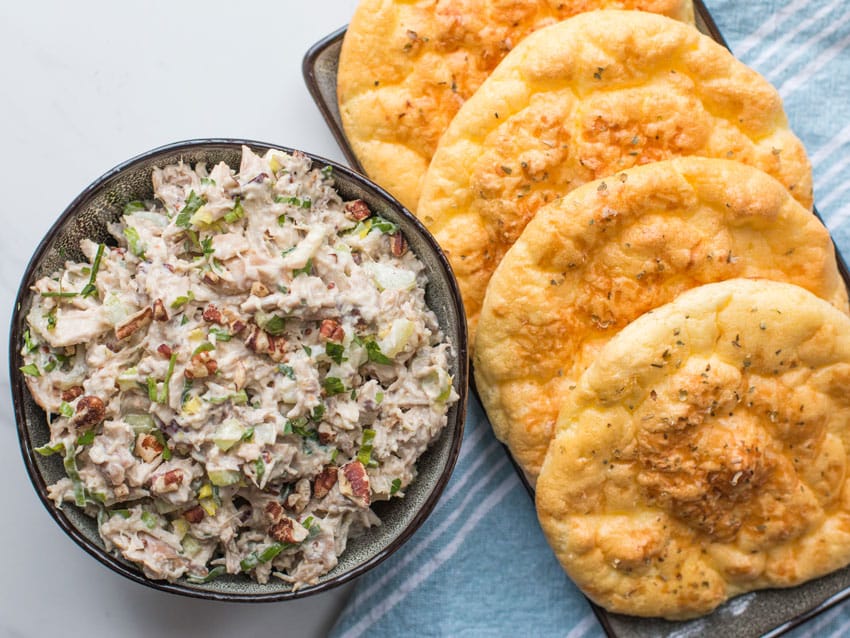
point(228, 433)
point(140, 422)
point(223, 478)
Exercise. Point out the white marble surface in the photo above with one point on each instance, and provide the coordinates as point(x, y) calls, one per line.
point(86, 85)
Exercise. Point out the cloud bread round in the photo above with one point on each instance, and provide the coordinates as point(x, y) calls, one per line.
point(583, 99)
point(705, 453)
point(590, 263)
point(406, 67)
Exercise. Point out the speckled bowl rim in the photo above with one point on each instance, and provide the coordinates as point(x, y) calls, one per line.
point(185, 589)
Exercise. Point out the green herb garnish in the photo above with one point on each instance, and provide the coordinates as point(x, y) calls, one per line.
point(134, 241)
point(306, 202)
point(220, 335)
point(66, 410)
point(364, 455)
point(395, 486)
point(333, 385)
point(308, 267)
point(193, 203)
point(373, 351)
point(86, 438)
point(335, 351)
point(133, 207)
point(235, 214)
point(204, 347)
point(183, 299)
point(29, 343)
point(90, 288)
point(31, 370)
point(286, 370)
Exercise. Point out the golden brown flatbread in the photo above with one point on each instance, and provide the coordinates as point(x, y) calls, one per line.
point(406, 67)
point(594, 261)
point(704, 453)
point(583, 99)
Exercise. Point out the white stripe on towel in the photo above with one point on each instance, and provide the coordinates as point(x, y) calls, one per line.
point(428, 568)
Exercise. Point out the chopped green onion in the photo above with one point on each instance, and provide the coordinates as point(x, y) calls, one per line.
point(248, 434)
point(395, 486)
point(259, 469)
point(384, 225)
point(364, 455)
point(318, 412)
point(51, 319)
point(90, 288)
point(286, 251)
point(193, 203)
point(220, 335)
point(133, 207)
point(134, 241)
point(150, 520)
point(306, 202)
point(214, 573)
point(51, 365)
point(334, 454)
point(66, 410)
point(206, 346)
point(281, 220)
point(308, 267)
point(50, 450)
point(183, 299)
point(333, 385)
point(379, 397)
point(308, 350)
point(70, 463)
point(86, 438)
point(29, 343)
point(286, 370)
point(335, 351)
point(61, 294)
point(184, 320)
point(235, 214)
point(206, 246)
point(273, 324)
point(327, 171)
point(152, 393)
point(373, 351)
point(31, 370)
point(160, 438)
point(123, 513)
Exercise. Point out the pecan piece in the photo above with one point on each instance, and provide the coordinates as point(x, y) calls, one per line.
point(212, 314)
point(354, 483)
point(324, 481)
point(164, 349)
point(147, 447)
point(134, 323)
point(200, 366)
point(194, 515)
point(210, 278)
point(259, 289)
point(90, 412)
point(170, 481)
point(299, 497)
point(332, 330)
point(159, 311)
point(357, 209)
point(72, 393)
point(274, 511)
point(398, 244)
point(287, 530)
point(262, 342)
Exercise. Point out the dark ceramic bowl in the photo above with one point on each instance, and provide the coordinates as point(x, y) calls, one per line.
point(87, 216)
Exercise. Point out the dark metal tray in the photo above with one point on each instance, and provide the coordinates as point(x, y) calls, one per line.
point(768, 612)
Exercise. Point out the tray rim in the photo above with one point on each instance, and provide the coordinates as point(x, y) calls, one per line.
point(330, 114)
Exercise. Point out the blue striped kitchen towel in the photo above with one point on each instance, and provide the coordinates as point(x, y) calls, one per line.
point(480, 565)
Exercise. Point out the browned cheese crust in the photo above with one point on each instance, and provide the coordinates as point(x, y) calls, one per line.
point(595, 260)
point(583, 99)
point(406, 68)
point(705, 452)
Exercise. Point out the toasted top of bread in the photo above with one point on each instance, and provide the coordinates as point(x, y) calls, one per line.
point(704, 453)
point(406, 67)
point(587, 98)
point(590, 263)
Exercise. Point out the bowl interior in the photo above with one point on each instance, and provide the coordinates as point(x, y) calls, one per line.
point(88, 216)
